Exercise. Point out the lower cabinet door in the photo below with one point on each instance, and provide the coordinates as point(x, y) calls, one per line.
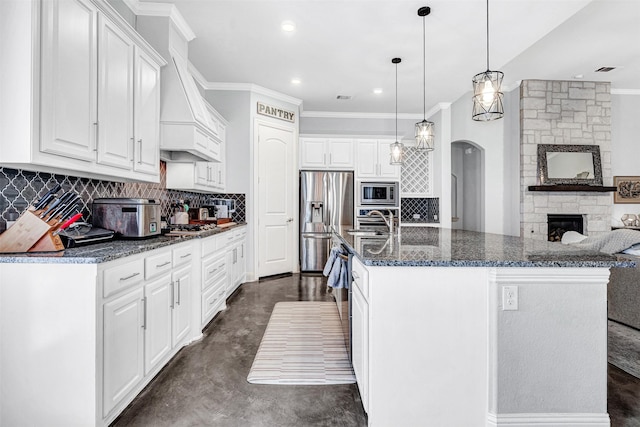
point(182, 288)
point(360, 344)
point(157, 340)
point(123, 341)
point(213, 301)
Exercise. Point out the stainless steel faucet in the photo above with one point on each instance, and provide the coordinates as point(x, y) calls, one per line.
point(388, 221)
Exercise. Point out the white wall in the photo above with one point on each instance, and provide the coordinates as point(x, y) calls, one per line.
point(497, 140)
point(625, 145)
point(358, 126)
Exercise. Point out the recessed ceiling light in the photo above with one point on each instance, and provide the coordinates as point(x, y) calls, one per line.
point(288, 26)
point(579, 76)
point(295, 81)
point(377, 91)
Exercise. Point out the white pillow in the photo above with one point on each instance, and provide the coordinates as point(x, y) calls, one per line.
point(633, 250)
point(570, 237)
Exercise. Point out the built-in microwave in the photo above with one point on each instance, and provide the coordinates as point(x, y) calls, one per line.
point(379, 194)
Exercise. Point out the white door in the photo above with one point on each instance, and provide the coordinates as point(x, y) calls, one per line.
point(69, 78)
point(115, 96)
point(276, 188)
point(157, 341)
point(147, 114)
point(181, 303)
point(123, 347)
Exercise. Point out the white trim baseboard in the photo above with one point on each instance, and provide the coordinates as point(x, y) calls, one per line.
point(548, 420)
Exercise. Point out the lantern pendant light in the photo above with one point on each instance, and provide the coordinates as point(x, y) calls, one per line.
point(424, 129)
point(487, 94)
point(397, 148)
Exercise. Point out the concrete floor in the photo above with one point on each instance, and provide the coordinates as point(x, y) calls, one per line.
point(205, 384)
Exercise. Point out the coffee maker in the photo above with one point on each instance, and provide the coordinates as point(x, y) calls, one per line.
point(224, 207)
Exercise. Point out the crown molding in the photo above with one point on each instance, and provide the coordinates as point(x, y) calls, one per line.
point(249, 87)
point(162, 9)
point(354, 115)
point(625, 91)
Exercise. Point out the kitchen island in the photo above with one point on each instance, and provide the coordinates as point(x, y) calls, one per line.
point(458, 328)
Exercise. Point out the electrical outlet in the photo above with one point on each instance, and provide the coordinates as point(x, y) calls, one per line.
point(509, 298)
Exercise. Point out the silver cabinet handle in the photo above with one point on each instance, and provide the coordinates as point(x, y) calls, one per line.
point(219, 177)
point(140, 151)
point(330, 159)
point(242, 250)
point(163, 264)
point(355, 275)
point(185, 255)
point(122, 279)
point(289, 219)
point(95, 126)
point(213, 271)
point(213, 302)
point(144, 313)
point(178, 302)
point(173, 294)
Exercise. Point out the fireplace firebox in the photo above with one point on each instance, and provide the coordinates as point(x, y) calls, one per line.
point(558, 224)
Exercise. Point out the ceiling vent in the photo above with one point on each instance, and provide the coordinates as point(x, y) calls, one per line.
point(605, 69)
point(343, 97)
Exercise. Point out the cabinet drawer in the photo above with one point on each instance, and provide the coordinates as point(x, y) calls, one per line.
point(210, 245)
point(360, 277)
point(155, 265)
point(182, 255)
point(239, 233)
point(122, 276)
point(212, 270)
point(228, 237)
point(212, 299)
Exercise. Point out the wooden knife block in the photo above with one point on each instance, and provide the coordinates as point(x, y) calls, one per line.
point(30, 234)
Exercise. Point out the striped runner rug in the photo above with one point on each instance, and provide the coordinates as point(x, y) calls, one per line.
point(303, 344)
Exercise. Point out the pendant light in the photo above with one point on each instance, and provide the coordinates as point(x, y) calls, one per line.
point(424, 129)
point(487, 96)
point(397, 149)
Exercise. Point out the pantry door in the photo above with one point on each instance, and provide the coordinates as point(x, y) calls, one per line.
point(276, 189)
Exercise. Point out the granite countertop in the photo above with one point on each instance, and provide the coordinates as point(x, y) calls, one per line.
point(443, 247)
point(108, 251)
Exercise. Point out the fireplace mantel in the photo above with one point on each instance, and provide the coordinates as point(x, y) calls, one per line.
point(573, 187)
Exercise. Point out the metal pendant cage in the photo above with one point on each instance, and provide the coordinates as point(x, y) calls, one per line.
point(487, 96)
point(397, 153)
point(424, 135)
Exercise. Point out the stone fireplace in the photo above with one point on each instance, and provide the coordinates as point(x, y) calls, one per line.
point(558, 224)
point(563, 112)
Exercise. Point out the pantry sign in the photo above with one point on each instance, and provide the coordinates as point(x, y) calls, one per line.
point(276, 113)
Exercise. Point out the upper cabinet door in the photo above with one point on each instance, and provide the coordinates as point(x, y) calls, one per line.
point(367, 166)
point(115, 96)
point(69, 78)
point(386, 170)
point(312, 153)
point(340, 153)
point(146, 114)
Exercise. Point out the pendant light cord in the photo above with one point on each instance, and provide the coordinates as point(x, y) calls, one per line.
point(487, 35)
point(424, 69)
point(396, 101)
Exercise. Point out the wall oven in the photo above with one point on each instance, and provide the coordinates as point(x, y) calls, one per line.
point(379, 194)
point(374, 223)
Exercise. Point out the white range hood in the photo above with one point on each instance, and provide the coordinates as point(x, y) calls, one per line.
point(188, 131)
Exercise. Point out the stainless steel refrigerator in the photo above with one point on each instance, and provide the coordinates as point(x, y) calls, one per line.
point(326, 201)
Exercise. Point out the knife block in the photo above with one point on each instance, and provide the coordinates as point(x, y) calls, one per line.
point(30, 234)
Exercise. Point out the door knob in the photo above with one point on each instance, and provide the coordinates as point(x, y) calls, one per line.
point(289, 219)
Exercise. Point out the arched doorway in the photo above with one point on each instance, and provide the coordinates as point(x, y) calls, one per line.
point(467, 186)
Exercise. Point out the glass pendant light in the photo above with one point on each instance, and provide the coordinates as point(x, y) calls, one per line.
point(397, 149)
point(424, 129)
point(487, 94)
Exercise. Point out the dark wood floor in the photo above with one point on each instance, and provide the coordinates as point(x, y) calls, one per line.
point(205, 384)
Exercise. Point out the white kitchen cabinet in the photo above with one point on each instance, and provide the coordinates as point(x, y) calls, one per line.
point(87, 116)
point(123, 351)
point(146, 103)
point(115, 96)
point(360, 333)
point(181, 306)
point(235, 243)
point(373, 160)
point(157, 324)
point(326, 153)
point(68, 88)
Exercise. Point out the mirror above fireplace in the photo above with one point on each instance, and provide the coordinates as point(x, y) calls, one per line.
point(569, 164)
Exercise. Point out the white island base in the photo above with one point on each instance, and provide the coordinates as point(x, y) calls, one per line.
point(432, 346)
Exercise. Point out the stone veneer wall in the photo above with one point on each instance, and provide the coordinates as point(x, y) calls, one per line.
point(564, 112)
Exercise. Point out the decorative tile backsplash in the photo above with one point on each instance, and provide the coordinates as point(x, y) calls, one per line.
point(427, 208)
point(20, 188)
